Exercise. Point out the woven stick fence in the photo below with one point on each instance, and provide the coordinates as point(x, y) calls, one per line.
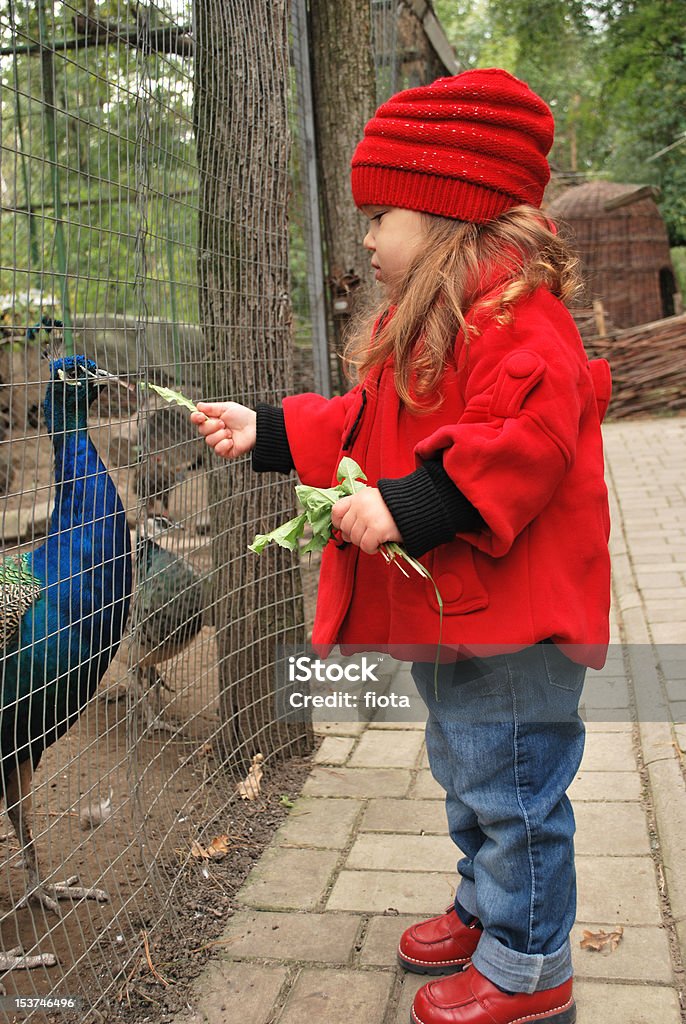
point(648, 367)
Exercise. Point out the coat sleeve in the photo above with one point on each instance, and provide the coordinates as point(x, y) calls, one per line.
point(527, 387)
point(315, 427)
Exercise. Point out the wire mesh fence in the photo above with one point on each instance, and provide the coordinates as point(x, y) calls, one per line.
point(145, 179)
point(148, 186)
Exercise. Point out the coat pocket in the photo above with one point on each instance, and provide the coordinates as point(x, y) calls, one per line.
point(454, 573)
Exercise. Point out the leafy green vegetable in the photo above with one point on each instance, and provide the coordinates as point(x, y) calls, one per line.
point(317, 503)
point(350, 475)
point(286, 535)
point(172, 397)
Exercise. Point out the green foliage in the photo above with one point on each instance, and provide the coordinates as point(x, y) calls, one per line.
point(613, 72)
point(122, 179)
point(169, 396)
point(644, 94)
point(317, 502)
point(678, 255)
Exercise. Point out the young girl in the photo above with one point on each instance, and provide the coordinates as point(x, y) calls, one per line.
point(477, 422)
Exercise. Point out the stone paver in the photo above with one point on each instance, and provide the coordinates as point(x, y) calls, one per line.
point(611, 1003)
point(606, 692)
point(228, 992)
point(364, 852)
point(676, 689)
point(605, 786)
point(321, 823)
point(641, 955)
point(357, 782)
point(622, 890)
point(337, 997)
point(319, 938)
point(613, 829)
point(410, 984)
point(404, 816)
point(286, 878)
point(596, 724)
point(334, 750)
point(387, 749)
point(609, 752)
point(409, 892)
point(425, 787)
point(390, 852)
point(339, 728)
point(382, 936)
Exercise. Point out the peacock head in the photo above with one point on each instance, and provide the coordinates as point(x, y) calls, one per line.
point(75, 382)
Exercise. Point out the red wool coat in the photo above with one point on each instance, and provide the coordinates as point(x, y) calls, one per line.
point(519, 432)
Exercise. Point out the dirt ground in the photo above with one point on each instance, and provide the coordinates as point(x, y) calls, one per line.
point(120, 805)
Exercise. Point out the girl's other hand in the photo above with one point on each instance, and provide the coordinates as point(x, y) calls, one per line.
point(228, 428)
point(364, 519)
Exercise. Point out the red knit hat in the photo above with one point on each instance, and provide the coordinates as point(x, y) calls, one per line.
point(469, 147)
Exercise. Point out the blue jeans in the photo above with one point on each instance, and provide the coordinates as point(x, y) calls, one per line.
point(505, 740)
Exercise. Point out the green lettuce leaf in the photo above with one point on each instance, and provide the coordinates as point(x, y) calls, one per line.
point(350, 475)
point(286, 536)
point(172, 397)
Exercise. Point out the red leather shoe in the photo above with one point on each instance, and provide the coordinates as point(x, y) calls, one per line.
point(441, 945)
point(470, 998)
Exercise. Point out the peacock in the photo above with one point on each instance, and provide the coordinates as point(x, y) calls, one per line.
point(63, 609)
point(168, 606)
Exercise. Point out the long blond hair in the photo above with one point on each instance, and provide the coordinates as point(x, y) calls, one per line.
point(462, 267)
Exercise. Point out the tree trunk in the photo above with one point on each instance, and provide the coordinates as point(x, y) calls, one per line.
point(241, 93)
point(344, 98)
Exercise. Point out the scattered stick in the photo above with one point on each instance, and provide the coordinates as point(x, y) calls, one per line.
point(153, 971)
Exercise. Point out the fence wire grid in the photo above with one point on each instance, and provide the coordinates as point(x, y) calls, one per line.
point(158, 219)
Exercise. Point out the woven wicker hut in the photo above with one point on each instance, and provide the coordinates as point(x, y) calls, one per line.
point(622, 241)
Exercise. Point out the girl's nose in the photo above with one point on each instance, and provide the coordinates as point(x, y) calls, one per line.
point(368, 241)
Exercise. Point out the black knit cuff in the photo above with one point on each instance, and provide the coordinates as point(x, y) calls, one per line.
point(428, 508)
point(272, 450)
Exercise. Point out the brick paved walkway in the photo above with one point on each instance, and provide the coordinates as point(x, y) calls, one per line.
point(364, 851)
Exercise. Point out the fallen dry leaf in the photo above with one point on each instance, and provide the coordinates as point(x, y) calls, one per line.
point(598, 941)
point(199, 851)
point(218, 848)
point(249, 788)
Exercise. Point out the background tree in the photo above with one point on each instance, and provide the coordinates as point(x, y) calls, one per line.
point(344, 91)
point(613, 71)
point(241, 118)
point(643, 97)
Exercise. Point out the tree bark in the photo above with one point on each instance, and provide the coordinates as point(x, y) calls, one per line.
point(344, 98)
point(241, 94)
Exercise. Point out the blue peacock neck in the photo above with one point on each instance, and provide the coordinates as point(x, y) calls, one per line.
point(84, 490)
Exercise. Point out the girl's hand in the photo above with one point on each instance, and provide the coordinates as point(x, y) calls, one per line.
point(228, 428)
point(364, 519)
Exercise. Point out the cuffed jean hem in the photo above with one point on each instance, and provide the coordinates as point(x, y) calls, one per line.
point(522, 972)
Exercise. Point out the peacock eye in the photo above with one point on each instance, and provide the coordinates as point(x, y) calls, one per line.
point(67, 380)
